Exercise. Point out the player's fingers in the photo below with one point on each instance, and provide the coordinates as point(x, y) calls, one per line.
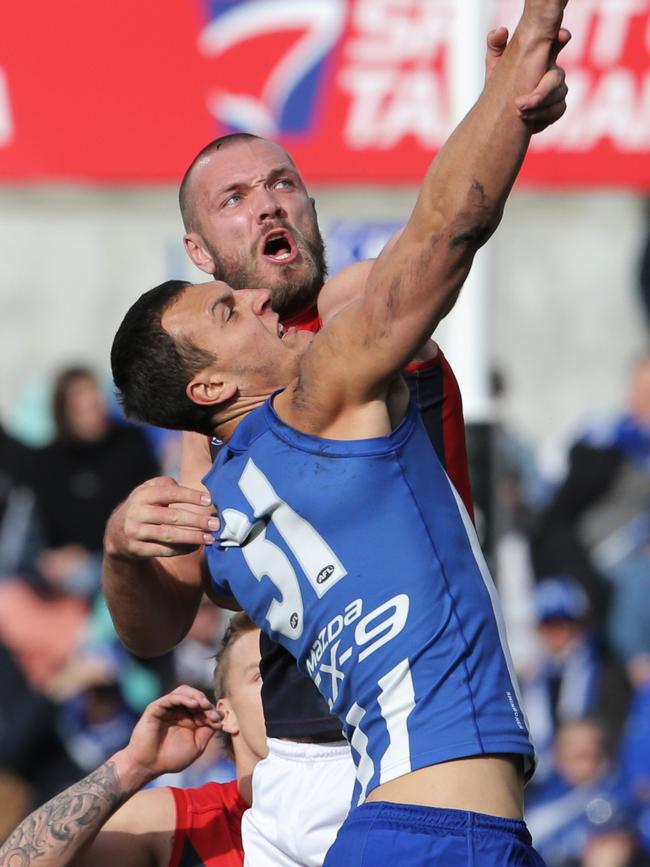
point(496, 44)
point(563, 38)
point(165, 490)
point(170, 536)
point(551, 90)
point(192, 694)
point(547, 112)
point(203, 737)
point(552, 101)
point(186, 698)
point(537, 121)
point(177, 516)
point(145, 551)
point(497, 40)
point(191, 507)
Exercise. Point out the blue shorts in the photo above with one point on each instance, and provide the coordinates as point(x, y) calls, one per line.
point(402, 835)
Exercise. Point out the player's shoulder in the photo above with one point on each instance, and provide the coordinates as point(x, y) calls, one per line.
point(211, 797)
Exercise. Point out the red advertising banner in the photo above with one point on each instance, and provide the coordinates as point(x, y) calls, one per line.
point(358, 90)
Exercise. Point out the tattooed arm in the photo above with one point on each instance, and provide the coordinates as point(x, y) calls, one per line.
point(87, 826)
point(61, 829)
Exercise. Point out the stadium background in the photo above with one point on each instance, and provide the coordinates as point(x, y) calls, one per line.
point(101, 106)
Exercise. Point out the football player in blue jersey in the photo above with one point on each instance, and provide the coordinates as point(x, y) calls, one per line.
point(390, 610)
point(153, 599)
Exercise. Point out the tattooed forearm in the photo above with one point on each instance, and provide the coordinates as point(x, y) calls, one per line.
point(54, 833)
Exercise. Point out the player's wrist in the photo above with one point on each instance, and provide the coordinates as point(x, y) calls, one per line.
point(535, 31)
point(131, 771)
point(115, 542)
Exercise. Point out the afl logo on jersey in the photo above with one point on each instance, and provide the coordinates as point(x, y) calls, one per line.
point(325, 573)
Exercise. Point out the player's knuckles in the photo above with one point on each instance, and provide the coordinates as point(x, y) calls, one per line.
point(134, 535)
point(165, 515)
point(158, 481)
point(194, 520)
point(178, 536)
point(189, 692)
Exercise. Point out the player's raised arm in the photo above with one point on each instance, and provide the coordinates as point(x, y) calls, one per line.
point(461, 202)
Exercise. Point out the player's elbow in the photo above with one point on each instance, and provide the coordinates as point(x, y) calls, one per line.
point(476, 221)
point(471, 231)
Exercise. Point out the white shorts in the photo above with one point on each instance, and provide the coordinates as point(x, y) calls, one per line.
point(301, 795)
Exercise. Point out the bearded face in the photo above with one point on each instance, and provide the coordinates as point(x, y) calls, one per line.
point(255, 226)
point(288, 262)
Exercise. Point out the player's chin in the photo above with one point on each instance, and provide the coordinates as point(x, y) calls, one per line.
point(285, 272)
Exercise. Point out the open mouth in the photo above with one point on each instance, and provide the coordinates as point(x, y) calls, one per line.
point(279, 246)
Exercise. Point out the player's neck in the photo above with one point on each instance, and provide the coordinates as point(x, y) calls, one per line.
point(227, 419)
point(245, 761)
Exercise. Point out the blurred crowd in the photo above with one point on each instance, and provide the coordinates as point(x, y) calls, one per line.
point(573, 568)
point(70, 692)
point(572, 562)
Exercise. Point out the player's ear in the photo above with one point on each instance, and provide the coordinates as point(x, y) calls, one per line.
point(229, 722)
point(208, 389)
point(198, 253)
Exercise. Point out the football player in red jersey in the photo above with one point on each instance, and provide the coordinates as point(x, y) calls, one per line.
point(104, 820)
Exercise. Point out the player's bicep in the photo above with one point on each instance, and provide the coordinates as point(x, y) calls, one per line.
point(349, 284)
point(140, 832)
point(376, 336)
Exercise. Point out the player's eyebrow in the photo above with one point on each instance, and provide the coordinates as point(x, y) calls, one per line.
point(215, 196)
point(286, 169)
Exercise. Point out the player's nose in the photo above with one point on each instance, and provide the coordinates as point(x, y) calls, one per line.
point(261, 301)
point(267, 206)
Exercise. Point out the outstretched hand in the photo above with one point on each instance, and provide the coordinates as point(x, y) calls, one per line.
point(160, 518)
point(173, 732)
point(547, 102)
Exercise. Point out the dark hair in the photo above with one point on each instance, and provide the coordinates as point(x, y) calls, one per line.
point(186, 200)
point(60, 413)
point(151, 369)
point(239, 625)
